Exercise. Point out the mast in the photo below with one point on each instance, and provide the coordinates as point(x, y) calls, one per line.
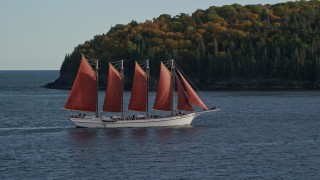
point(172, 85)
point(122, 86)
point(148, 75)
point(97, 98)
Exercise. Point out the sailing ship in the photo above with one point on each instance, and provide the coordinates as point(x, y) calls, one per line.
point(84, 97)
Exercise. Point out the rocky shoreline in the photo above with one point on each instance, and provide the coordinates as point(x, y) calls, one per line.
point(232, 84)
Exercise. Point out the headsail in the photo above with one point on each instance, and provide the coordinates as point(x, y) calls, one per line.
point(138, 99)
point(83, 95)
point(192, 95)
point(183, 102)
point(164, 93)
point(113, 96)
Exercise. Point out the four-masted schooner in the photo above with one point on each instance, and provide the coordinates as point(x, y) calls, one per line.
point(84, 97)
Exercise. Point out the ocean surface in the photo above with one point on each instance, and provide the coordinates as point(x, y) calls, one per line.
point(256, 135)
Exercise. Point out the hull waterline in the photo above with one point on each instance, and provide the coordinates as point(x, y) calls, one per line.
point(93, 122)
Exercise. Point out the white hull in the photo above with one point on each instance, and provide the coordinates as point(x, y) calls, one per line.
point(104, 122)
point(93, 122)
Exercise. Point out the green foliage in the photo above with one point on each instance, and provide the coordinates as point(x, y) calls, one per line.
point(249, 42)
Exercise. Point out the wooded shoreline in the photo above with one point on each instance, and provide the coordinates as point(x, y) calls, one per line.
point(229, 47)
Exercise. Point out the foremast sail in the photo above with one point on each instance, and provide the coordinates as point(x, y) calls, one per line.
point(83, 95)
point(183, 101)
point(186, 95)
point(192, 95)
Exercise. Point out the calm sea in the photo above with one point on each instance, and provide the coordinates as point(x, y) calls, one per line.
point(256, 135)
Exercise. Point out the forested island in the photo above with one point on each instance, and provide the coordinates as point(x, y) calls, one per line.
point(229, 47)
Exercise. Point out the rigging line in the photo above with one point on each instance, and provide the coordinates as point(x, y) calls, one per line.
point(92, 59)
point(117, 66)
point(194, 85)
point(142, 63)
point(167, 63)
point(116, 61)
point(143, 66)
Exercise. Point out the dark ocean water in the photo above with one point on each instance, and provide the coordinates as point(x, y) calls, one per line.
point(256, 135)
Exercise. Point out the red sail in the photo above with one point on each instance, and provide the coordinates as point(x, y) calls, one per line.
point(113, 96)
point(183, 102)
point(164, 93)
point(138, 99)
point(83, 95)
point(192, 95)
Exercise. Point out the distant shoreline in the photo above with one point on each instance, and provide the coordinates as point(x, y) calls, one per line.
point(234, 84)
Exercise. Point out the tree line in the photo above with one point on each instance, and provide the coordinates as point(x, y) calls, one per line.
point(220, 44)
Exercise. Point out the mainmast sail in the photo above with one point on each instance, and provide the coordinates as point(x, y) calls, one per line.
point(139, 94)
point(164, 93)
point(83, 95)
point(192, 95)
point(114, 94)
